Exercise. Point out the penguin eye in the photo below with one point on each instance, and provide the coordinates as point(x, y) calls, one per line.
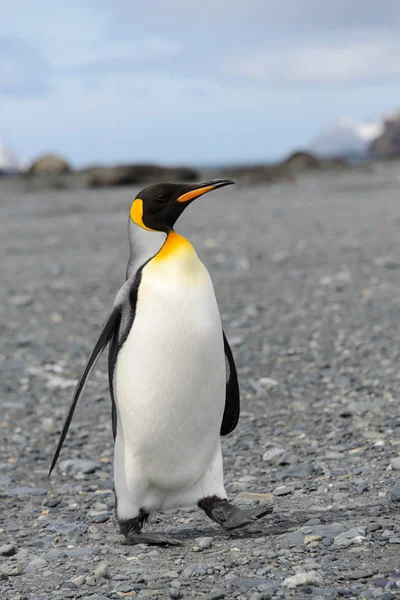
point(157, 204)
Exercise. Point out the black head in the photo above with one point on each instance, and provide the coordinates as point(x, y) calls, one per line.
point(157, 207)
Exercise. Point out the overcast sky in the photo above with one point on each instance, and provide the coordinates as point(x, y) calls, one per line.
point(198, 81)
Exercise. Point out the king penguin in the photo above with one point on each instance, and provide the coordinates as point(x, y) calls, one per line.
point(172, 375)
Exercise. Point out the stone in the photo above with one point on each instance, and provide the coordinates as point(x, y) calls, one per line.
point(273, 453)
point(259, 497)
point(99, 517)
point(73, 466)
point(8, 550)
point(312, 539)
point(394, 493)
point(360, 574)
point(102, 570)
point(79, 581)
point(215, 595)
point(204, 542)
point(174, 593)
point(350, 537)
point(27, 491)
point(395, 463)
point(282, 490)
point(300, 471)
point(306, 578)
point(291, 540)
point(49, 164)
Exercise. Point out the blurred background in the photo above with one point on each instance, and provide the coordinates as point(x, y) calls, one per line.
point(205, 84)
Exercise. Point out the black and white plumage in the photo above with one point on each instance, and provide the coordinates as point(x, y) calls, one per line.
point(172, 375)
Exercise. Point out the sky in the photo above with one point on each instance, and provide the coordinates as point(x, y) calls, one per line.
point(190, 81)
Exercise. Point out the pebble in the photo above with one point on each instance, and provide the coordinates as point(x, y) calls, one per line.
point(8, 550)
point(305, 578)
point(102, 570)
point(204, 542)
point(282, 490)
point(99, 517)
point(272, 454)
point(350, 537)
point(395, 463)
point(215, 595)
point(79, 581)
point(174, 593)
point(73, 466)
point(27, 491)
point(394, 493)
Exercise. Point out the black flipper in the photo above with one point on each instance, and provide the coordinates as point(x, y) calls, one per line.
point(109, 327)
point(232, 398)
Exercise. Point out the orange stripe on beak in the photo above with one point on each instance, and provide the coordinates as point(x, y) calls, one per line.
point(195, 193)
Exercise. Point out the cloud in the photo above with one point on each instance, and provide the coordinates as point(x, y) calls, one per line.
point(122, 56)
point(334, 62)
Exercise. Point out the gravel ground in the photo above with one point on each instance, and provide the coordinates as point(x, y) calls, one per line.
point(308, 279)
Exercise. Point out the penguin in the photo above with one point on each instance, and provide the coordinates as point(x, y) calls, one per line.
point(172, 376)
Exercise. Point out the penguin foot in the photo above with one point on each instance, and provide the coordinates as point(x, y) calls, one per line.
point(229, 516)
point(131, 529)
point(152, 539)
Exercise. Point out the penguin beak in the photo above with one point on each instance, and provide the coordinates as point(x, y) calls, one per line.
point(198, 189)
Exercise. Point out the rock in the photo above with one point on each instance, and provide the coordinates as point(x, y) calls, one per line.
point(247, 582)
point(49, 164)
point(12, 569)
point(204, 542)
point(72, 466)
point(38, 562)
point(20, 300)
point(395, 463)
point(282, 490)
point(387, 144)
point(291, 540)
point(360, 574)
point(306, 578)
point(215, 595)
point(300, 471)
point(79, 581)
point(312, 539)
point(8, 550)
point(27, 491)
point(193, 570)
point(102, 571)
point(255, 496)
point(350, 537)
point(174, 593)
point(394, 493)
point(137, 174)
point(273, 453)
point(300, 161)
point(99, 517)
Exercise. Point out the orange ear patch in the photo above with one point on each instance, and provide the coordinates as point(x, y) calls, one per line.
point(137, 213)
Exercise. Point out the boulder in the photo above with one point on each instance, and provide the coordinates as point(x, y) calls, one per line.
point(300, 161)
point(388, 143)
point(49, 164)
point(137, 174)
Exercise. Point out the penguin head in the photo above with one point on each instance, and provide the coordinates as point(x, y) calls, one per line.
point(156, 208)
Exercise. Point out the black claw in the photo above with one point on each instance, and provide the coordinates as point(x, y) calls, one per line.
point(152, 539)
